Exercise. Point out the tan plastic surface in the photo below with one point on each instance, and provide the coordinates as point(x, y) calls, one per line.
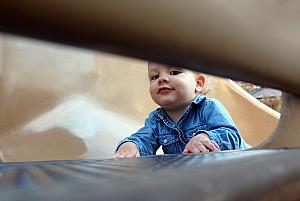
point(254, 119)
point(64, 103)
point(254, 40)
point(247, 40)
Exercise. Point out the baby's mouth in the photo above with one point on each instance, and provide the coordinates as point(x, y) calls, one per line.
point(164, 90)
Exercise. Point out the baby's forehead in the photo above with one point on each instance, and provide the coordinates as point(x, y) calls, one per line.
point(153, 67)
point(157, 67)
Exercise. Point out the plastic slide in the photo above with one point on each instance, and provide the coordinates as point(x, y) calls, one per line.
point(61, 103)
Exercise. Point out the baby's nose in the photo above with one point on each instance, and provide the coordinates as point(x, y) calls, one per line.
point(163, 79)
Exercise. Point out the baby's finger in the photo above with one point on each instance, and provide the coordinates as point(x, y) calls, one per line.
point(122, 154)
point(195, 149)
point(210, 145)
point(192, 148)
point(217, 146)
point(128, 154)
point(201, 148)
point(119, 154)
point(137, 154)
point(186, 151)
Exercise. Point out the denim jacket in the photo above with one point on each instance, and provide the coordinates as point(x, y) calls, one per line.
point(204, 115)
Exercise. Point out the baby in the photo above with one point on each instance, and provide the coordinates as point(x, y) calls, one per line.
point(186, 122)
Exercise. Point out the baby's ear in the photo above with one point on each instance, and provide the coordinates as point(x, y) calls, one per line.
point(200, 82)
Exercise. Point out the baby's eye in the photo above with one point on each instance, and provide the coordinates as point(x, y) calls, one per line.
point(175, 72)
point(154, 77)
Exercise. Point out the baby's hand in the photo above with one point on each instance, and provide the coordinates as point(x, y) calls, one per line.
point(126, 150)
point(201, 144)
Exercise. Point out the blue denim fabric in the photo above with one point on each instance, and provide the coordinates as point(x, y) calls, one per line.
point(203, 115)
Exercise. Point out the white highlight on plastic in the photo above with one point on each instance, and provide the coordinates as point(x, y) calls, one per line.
point(84, 118)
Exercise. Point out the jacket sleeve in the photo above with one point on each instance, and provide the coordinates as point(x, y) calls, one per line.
point(146, 138)
point(220, 126)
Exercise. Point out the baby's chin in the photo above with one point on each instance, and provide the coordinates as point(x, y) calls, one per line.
point(171, 105)
point(165, 103)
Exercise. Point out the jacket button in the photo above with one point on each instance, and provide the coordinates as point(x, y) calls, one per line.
point(165, 141)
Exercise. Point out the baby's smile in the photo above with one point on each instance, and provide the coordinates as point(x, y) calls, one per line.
point(164, 90)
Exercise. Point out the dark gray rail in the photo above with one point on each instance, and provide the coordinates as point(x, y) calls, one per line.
point(233, 175)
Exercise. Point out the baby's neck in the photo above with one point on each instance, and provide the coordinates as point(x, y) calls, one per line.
point(176, 114)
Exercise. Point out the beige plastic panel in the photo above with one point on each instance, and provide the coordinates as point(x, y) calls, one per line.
point(59, 102)
point(254, 119)
point(250, 40)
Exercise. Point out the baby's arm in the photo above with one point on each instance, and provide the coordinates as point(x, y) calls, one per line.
point(220, 126)
point(142, 143)
point(220, 134)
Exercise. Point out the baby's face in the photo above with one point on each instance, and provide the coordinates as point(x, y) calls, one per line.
point(171, 87)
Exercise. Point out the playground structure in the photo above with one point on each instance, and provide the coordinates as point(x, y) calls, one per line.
point(62, 103)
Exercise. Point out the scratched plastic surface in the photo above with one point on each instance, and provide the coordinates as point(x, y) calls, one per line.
point(253, 173)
